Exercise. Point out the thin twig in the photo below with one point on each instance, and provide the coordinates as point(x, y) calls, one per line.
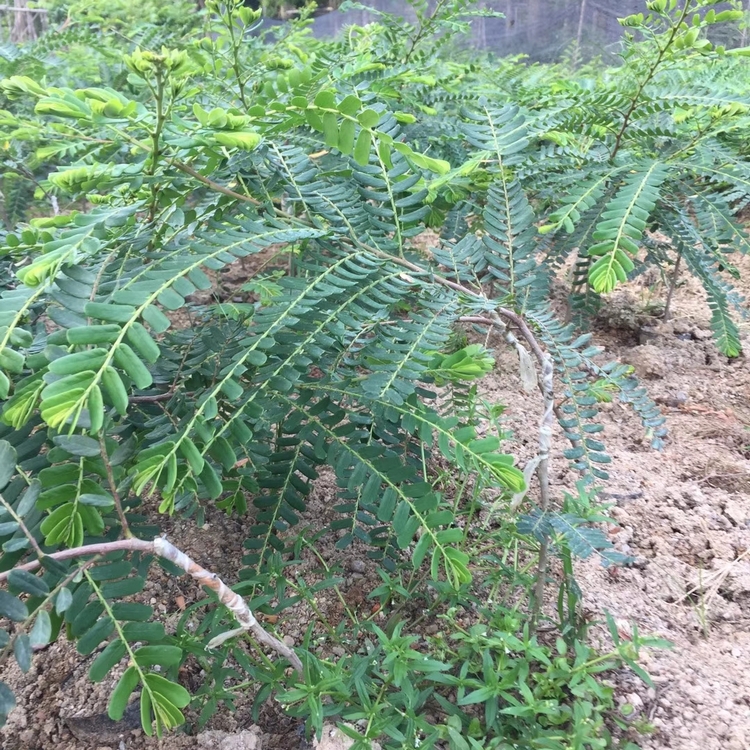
point(21, 525)
point(113, 487)
point(714, 580)
point(672, 287)
point(649, 77)
point(545, 446)
point(187, 169)
point(161, 547)
point(152, 399)
point(132, 545)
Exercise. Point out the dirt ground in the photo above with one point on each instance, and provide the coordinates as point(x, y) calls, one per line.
point(684, 514)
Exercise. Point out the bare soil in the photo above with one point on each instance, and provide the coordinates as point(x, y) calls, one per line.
point(684, 514)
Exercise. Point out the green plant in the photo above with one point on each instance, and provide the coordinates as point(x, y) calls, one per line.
point(510, 688)
point(122, 16)
point(657, 156)
point(228, 148)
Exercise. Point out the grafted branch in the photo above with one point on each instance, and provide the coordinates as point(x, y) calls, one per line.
point(165, 549)
point(545, 382)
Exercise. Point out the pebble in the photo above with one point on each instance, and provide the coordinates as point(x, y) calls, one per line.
point(647, 335)
point(620, 514)
point(635, 701)
point(357, 566)
point(288, 640)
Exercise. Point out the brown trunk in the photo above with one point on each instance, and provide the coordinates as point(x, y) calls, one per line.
point(28, 23)
point(579, 34)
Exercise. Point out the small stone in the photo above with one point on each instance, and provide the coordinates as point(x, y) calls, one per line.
point(288, 640)
point(338, 651)
point(357, 566)
point(736, 511)
point(648, 361)
point(620, 514)
point(647, 335)
point(247, 739)
point(635, 701)
point(334, 739)
point(673, 400)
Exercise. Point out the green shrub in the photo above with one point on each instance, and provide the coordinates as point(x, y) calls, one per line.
point(335, 157)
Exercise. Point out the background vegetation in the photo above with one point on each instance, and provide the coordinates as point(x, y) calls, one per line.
point(179, 145)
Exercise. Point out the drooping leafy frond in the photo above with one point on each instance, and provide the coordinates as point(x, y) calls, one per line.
point(578, 411)
point(510, 239)
point(501, 133)
point(582, 539)
point(704, 264)
point(622, 225)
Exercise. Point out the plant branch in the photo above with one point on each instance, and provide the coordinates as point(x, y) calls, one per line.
point(21, 525)
point(113, 487)
point(156, 144)
point(152, 399)
point(546, 385)
point(236, 56)
point(649, 77)
point(161, 547)
point(672, 287)
point(187, 169)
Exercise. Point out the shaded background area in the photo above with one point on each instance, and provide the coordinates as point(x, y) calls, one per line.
point(541, 29)
point(544, 30)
